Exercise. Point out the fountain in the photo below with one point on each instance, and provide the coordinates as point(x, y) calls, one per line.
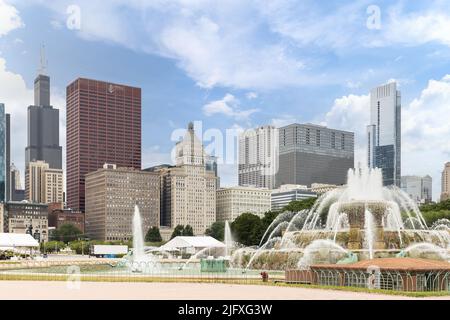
point(228, 239)
point(359, 221)
point(362, 220)
point(322, 251)
point(138, 239)
point(139, 261)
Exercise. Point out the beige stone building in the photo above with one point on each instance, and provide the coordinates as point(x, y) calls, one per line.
point(445, 191)
point(53, 186)
point(188, 190)
point(232, 202)
point(112, 193)
point(321, 188)
point(43, 184)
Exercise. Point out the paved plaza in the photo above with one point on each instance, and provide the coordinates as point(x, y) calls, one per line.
point(176, 291)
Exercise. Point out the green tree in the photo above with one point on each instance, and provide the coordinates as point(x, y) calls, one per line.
point(178, 231)
point(435, 215)
point(80, 246)
point(153, 235)
point(268, 218)
point(299, 205)
point(216, 230)
point(67, 232)
point(52, 246)
point(443, 205)
point(188, 231)
point(248, 229)
point(435, 211)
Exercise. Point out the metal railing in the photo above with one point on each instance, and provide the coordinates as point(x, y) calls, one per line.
point(417, 281)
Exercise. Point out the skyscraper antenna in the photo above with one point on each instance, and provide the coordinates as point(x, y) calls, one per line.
point(43, 62)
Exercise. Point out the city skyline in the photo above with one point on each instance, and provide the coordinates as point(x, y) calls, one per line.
point(181, 94)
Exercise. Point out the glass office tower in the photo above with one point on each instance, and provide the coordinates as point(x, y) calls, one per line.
point(3, 133)
point(383, 133)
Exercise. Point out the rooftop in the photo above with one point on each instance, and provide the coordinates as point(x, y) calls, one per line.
point(14, 240)
point(192, 242)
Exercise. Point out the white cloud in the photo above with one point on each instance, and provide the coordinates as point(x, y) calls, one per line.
point(351, 113)
point(254, 44)
point(426, 132)
point(9, 18)
point(228, 106)
point(216, 44)
point(418, 28)
point(16, 97)
point(251, 95)
point(219, 55)
point(343, 26)
point(308, 23)
point(284, 120)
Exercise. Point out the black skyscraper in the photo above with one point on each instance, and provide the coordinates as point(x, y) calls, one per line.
point(43, 127)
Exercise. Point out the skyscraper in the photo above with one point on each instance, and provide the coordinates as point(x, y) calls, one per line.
point(258, 157)
point(314, 154)
point(43, 184)
point(4, 154)
point(188, 190)
point(384, 133)
point(103, 126)
point(445, 191)
point(8, 158)
point(43, 127)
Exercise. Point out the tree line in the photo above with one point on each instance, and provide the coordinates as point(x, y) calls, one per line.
point(433, 212)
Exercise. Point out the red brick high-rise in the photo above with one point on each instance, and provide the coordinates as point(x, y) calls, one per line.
point(103, 126)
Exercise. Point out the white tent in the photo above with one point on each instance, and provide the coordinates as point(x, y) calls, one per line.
point(192, 242)
point(9, 241)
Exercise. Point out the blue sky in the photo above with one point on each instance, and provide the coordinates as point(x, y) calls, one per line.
point(240, 64)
